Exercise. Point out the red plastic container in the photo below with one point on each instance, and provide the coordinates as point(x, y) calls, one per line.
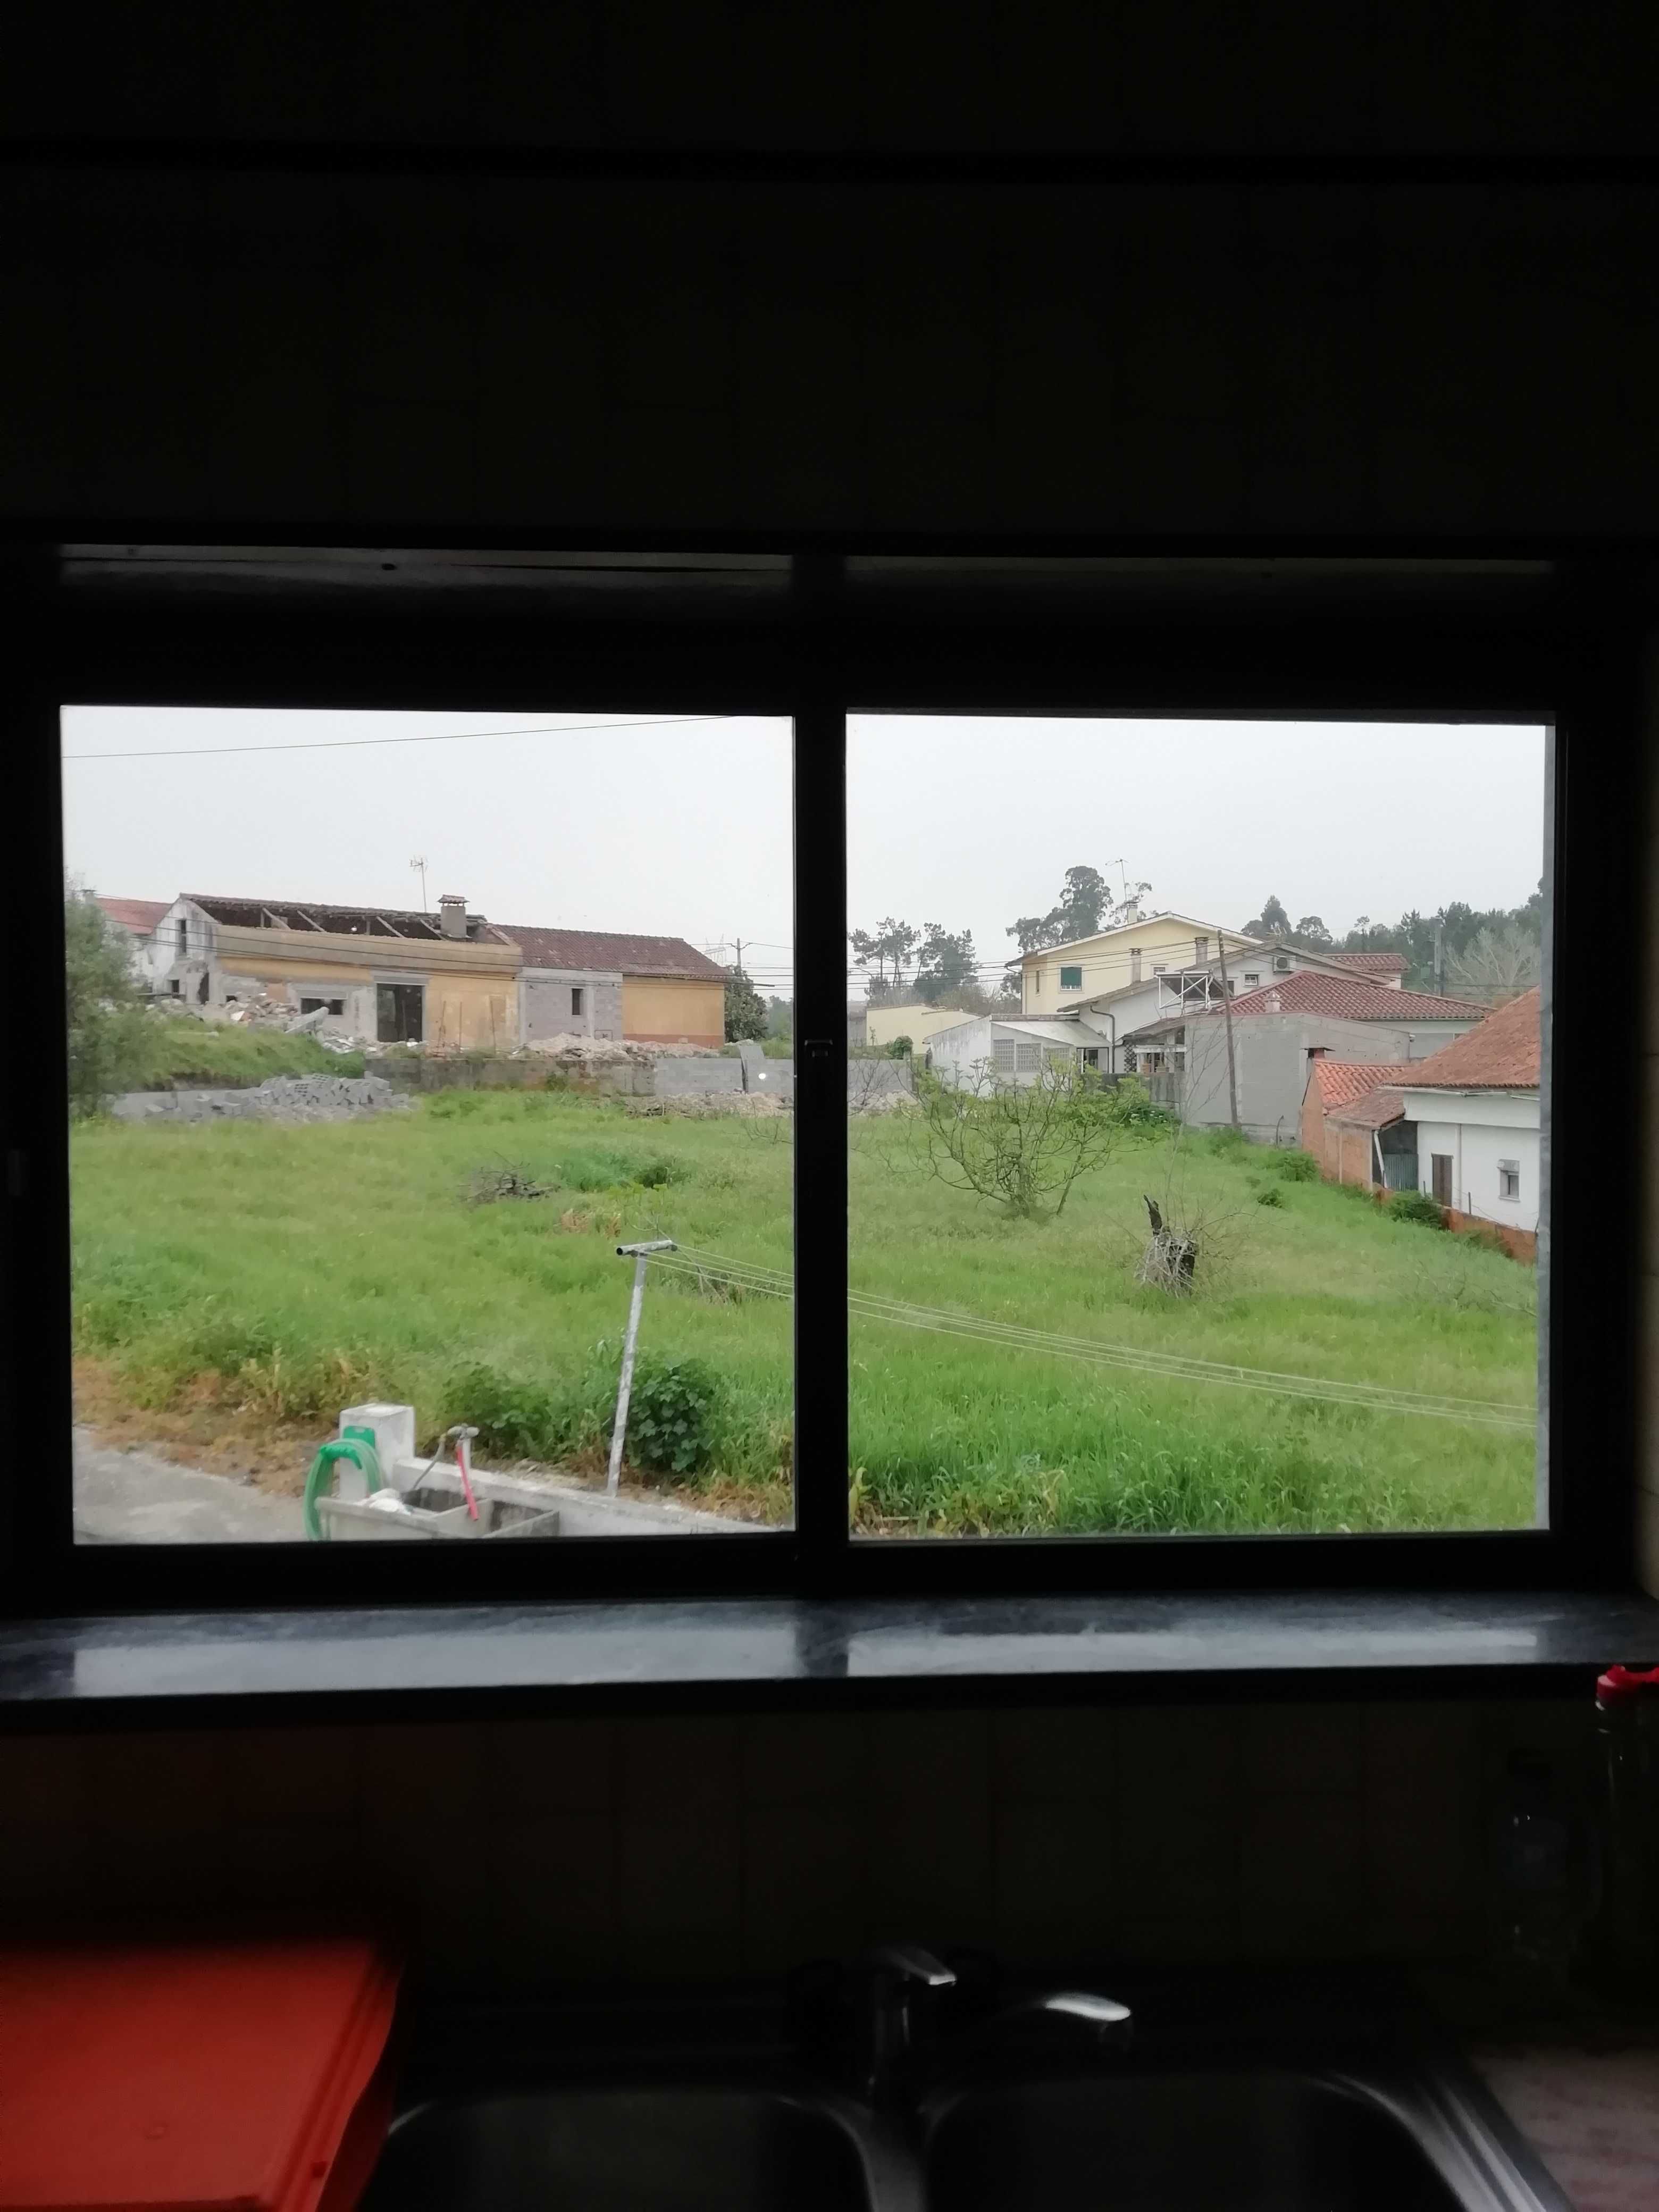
point(219, 2077)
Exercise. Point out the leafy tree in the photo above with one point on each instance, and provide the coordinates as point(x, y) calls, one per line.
point(945, 962)
point(1021, 1145)
point(102, 1009)
point(1085, 899)
point(1312, 933)
point(1271, 922)
point(745, 1009)
point(1086, 906)
point(884, 953)
point(779, 1018)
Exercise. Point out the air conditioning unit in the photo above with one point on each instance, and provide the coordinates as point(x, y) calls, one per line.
point(1281, 964)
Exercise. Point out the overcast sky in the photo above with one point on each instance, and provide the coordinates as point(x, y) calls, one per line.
point(681, 827)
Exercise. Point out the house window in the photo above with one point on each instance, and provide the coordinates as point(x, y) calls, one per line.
point(576, 998)
point(1509, 1179)
point(322, 1005)
point(183, 937)
point(995, 1149)
point(398, 1013)
point(976, 1410)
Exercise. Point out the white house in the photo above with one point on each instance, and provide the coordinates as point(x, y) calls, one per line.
point(1476, 1107)
point(136, 921)
point(990, 1048)
point(1194, 974)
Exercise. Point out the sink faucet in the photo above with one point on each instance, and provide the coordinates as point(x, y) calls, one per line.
point(901, 2052)
point(1085, 2020)
point(899, 1981)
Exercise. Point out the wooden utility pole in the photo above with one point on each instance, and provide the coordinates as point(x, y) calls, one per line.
point(1227, 1016)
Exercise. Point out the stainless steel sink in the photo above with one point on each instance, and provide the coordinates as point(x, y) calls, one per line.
point(640, 2150)
point(1263, 2140)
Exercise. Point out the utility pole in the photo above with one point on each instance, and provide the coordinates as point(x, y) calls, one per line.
point(419, 863)
point(1439, 957)
point(1227, 1016)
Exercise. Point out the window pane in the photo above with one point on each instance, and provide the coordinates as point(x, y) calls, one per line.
point(1241, 1234)
point(385, 1031)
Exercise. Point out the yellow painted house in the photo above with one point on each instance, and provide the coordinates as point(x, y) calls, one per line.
point(1123, 957)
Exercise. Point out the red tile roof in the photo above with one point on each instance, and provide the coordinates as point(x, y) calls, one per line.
point(1504, 1053)
point(138, 915)
point(604, 948)
point(1372, 963)
point(1339, 1082)
point(1373, 1111)
point(1349, 999)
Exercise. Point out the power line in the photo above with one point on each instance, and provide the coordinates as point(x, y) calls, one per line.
point(1373, 1397)
point(428, 737)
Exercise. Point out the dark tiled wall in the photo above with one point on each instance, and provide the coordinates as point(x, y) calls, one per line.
point(521, 353)
point(538, 1853)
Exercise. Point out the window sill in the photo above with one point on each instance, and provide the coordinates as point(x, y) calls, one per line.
point(429, 1661)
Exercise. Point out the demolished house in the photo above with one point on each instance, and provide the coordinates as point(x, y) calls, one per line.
point(453, 981)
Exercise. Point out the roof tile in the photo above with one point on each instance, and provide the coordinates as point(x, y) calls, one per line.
point(1349, 999)
point(1372, 963)
point(604, 948)
point(1504, 1053)
point(1339, 1082)
point(140, 915)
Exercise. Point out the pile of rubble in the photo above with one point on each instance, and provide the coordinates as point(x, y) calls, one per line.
point(279, 1098)
point(570, 1048)
point(265, 1012)
point(326, 1098)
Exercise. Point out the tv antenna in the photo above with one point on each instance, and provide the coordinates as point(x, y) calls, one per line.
point(419, 864)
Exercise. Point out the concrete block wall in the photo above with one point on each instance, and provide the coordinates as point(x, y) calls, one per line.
point(537, 1854)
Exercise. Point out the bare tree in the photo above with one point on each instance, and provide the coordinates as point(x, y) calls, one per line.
point(1023, 1146)
point(1197, 1232)
point(1496, 963)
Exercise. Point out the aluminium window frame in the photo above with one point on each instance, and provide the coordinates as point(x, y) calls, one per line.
point(1578, 675)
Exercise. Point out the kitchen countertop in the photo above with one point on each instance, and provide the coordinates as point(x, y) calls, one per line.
point(1592, 2116)
point(757, 1651)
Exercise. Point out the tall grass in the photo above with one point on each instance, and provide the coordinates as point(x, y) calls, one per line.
point(175, 1052)
point(284, 1272)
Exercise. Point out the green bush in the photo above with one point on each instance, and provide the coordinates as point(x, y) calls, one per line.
point(1415, 1206)
point(1293, 1166)
point(1270, 1194)
point(517, 1420)
point(658, 1174)
point(674, 1416)
point(1226, 1142)
point(899, 1047)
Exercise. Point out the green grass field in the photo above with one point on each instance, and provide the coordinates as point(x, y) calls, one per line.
point(176, 1051)
point(275, 1273)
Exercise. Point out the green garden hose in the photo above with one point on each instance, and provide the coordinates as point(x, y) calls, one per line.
point(362, 1454)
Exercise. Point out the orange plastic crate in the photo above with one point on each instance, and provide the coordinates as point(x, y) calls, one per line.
point(219, 2077)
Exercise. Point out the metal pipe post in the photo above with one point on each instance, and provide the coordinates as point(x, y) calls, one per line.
point(639, 1253)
